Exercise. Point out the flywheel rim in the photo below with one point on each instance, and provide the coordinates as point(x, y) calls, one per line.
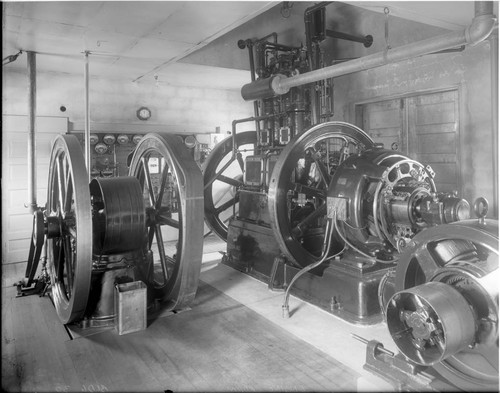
point(69, 205)
point(180, 283)
point(280, 183)
point(220, 152)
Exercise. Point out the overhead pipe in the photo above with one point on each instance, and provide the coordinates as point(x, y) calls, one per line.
point(480, 28)
point(367, 40)
point(31, 132)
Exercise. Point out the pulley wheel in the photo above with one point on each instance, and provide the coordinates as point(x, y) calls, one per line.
point(430, 322)
point(463, 255)
point(69, 240)
point(222, 176)
point(299, 184)
point(172, 187)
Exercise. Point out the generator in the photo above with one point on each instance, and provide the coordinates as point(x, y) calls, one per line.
point(95, 234)
point(315, 208)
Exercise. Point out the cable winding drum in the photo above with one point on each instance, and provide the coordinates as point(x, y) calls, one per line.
point(118, 214)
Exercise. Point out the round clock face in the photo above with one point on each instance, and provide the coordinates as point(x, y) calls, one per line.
point(143, 113)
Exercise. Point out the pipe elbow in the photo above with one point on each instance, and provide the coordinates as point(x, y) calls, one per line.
point(480, 29)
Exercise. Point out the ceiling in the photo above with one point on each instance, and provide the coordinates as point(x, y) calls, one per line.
point(144, 40)
point(128, 40)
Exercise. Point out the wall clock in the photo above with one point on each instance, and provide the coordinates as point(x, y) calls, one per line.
point(143, 113)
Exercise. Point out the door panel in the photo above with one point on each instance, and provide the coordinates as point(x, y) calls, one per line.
point(383, 122)
point(433, 124)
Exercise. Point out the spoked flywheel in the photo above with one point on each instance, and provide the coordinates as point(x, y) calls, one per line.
point(69, 229)
point(445, 310)
point(299, 185)
point(222, 176)
point(173, 194)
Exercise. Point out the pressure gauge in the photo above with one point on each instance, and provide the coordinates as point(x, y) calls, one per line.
point(143, 113)
point(101, 148)
point(109, 139)
point(122, 139)
point(190, 141)
point(94, 138)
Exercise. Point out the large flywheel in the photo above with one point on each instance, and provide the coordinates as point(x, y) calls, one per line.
point(172, 187)
point(223, 175)
point(69, 229)
point(299, 185)
point(445, 310)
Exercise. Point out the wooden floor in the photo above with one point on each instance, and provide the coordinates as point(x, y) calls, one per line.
point(218, 345)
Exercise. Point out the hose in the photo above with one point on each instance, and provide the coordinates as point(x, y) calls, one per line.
point(348, 243)
point(327, 242)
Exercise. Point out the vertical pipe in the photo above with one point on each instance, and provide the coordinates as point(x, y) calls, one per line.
point(252, 76)
point(31, 131)
point(494, 115)
point(87, 115)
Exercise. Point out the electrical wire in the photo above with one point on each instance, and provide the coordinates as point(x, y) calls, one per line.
point(324, 257)
point(11, 58)
point(347, 242)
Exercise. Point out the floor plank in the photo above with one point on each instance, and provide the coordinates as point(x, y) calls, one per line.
point(219, 345)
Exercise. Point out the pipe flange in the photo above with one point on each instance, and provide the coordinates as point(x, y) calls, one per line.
point(276, 84)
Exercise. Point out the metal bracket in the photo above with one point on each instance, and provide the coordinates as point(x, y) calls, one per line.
point(399, 371)
point(39, 287)
point(280, 259)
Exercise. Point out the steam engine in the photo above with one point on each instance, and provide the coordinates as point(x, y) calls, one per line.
point(311, 206)
point(316, 208)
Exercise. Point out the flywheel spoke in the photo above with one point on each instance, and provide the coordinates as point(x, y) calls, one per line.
point(229, 180)
point(163, 220)
point(164, 176)
point(151, 236)
point(427, 261)
point(226, 205)
point(68, 265)
point(299, 229)
point(147, 178)
point(323, 172)
point(161, 251)
point(60, 186)
point(311, 191)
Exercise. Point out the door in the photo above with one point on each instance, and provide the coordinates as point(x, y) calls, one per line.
point(425, 127)
point(17, 221)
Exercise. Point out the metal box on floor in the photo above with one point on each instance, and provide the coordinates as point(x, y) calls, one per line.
point(130, 307)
